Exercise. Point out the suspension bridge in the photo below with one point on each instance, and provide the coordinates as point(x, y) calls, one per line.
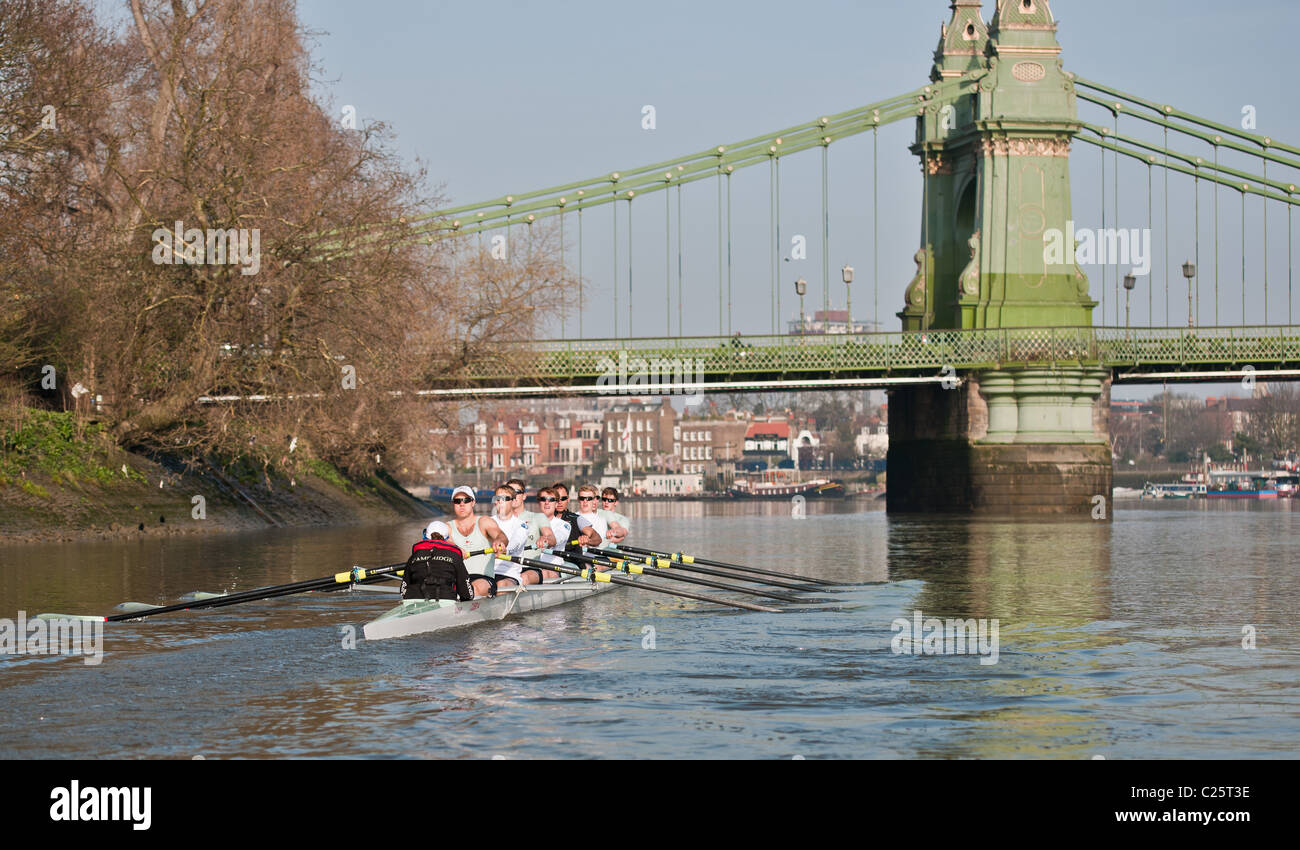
point(999, 375)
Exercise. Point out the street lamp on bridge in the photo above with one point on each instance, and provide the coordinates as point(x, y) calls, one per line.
point(801, 287)
point(1129, 282)
point(848, 294)
point(1189, 272)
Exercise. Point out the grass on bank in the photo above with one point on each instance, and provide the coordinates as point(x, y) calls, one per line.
point(56, 444)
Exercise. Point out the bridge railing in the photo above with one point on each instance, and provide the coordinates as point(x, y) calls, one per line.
point(619, 360)
point(1180, 346)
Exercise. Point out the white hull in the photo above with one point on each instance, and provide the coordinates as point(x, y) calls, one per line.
point(415, 617)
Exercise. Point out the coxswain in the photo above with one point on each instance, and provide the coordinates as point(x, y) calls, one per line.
point(474, 534)
point(436, 568)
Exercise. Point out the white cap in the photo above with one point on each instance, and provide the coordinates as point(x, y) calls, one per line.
point(438, 527)
point(468, 491)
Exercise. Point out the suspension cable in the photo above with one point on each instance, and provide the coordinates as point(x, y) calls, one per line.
point(771, 229)
point(1104, 317)
point(564, 273)
point(729, 304)
point(1216, 242)
point(1150, 226)
point(719, 250)
point(668, 265)
point(629, 265)
point(826, 239)
point(614, 278)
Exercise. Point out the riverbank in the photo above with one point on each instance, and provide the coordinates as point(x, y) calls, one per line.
point(60, 481)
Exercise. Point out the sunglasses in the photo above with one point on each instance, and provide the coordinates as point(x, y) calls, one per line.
point(547, 499)
point(504, 499)
point(608, 499)
point(586, 498)
point(518, 493)
point(462, 501)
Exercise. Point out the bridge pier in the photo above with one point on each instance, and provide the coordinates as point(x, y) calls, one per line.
point(1006, 442)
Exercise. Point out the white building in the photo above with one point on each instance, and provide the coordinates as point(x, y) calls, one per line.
point(872, 444)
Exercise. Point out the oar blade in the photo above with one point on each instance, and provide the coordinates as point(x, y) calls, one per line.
point(134, 607)
point(199, 596)
point(85, 618)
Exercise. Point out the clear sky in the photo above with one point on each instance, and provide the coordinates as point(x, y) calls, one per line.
point(507, 97)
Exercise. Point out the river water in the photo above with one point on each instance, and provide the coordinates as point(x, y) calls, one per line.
point(1122, 640)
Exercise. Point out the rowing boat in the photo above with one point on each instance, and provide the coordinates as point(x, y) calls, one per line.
point(419, 616)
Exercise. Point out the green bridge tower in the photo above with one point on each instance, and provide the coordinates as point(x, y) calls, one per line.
point(994, 138)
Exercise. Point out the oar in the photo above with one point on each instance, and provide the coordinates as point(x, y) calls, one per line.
point(665, 563)
point(356, 574)
point(649, 570)
point(614, 578)
point(691, 559)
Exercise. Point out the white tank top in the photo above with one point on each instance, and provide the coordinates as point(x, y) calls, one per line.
point(597, 522)
point(476, 540)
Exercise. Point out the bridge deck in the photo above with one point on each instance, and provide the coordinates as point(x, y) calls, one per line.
point(845, 360)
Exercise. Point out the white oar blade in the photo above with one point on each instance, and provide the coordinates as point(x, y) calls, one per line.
point(134, 607)
point(87, 618)
point(198, 596)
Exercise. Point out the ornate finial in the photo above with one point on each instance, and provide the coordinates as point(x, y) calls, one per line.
point(1022, 14)
point(962, 42)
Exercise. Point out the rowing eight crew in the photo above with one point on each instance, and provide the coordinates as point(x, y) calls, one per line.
point(438, 569)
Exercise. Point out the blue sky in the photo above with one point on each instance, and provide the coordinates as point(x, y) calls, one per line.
point(506, 97)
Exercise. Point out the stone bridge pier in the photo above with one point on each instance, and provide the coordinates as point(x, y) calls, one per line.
point(1008, 442)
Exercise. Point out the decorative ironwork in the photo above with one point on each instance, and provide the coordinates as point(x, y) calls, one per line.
point(923, 352)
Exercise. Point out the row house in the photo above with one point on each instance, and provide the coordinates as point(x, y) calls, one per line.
point(506, 444)
point(574, 441)
point(639, 436)
point(704, 445)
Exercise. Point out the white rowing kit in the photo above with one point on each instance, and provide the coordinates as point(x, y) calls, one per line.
point(517, 533)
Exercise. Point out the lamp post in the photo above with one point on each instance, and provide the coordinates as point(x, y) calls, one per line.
point(801, 287)
point(1129, 282)
point(1189, 272)
point(848, 294)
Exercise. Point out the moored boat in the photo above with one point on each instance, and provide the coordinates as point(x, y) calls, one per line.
point(818, 488)
point(1172, 491)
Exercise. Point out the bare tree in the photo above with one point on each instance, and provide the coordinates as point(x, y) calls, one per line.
point(196, 225)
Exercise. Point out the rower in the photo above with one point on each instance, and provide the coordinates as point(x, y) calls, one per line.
point(534, 521)
point(618, 523)
point(588, 496)
point(472, 534)
point(436, 568)
point(518, 535)
point(555, 533)
point(587, 534)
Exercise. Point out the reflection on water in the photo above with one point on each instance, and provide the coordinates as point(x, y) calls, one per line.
point(1122, 639)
